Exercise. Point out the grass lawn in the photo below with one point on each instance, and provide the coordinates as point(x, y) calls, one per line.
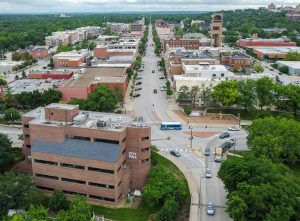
point(143, 212)
point(2, 121)
point(251, 115)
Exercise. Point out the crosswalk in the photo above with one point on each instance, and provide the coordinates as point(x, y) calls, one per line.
point(179, 150)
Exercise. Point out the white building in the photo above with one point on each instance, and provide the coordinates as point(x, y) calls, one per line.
point(7, 67)
point(207, 71)
point(294, 66)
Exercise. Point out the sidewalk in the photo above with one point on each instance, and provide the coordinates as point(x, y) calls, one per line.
point(194, 207)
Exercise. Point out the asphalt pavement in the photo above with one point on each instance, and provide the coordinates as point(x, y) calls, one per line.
point(154, 109)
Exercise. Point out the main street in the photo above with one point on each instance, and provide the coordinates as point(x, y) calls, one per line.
point(154, 108)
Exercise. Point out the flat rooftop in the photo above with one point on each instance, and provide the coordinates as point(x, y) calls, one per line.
point(204, 68)
point(292, 64)
point(85, 119)
point(276, 50)
point(98, 75)
point(79, 149)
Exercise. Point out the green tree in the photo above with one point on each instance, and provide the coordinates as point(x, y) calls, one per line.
point(292, 95)
point(12, 114)
point(292, 56)
point(195, 90)
point(283, 133)
point(259, 68)
point(6, 153)
point(264, 92)
point(79, 210)
point(64, 48)
point(187, 111)
point(169, 210)
point(58, 201)
point(184, 94)
point(284, 69)
point(14, 189)
point(119, 95)
point(129, 72)
point(36, 213)
point(51, 64)
point(246, 94)
point(2, 82)
point(226, 92)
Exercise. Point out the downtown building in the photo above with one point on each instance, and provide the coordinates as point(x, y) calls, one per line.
point(102, 156)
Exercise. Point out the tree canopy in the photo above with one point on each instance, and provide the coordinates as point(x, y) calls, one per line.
point(6, 153)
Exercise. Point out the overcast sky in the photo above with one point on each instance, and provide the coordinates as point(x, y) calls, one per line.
point(53, 6)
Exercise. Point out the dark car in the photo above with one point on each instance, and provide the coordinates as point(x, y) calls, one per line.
point(136, 95)
point(225, 146)
point(138, 83)
point(153, 71)
point(224, 135)
point(161, 78)
point(138, 89)
point(207, 151)
point(175, 153)
point(139, 78)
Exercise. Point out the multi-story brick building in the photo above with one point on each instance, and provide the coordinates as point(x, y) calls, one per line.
point(188, 44)
point(236, 60)
point(38, 52)
point(99, 155)
point(249, 42)
point(71, 58)
point(81, 85)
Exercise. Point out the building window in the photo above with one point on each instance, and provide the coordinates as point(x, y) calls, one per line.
point(27, 136)
point(124, 140)
point(73, 181)
point(222, 75)
point(28, 146)
point(81, 138)
point(145, 149)
point(72, 166)
point(145, 138)
point(106, 141)
point(101, 185)
point(46, 162)
point(45, 188)
point(100, 170)
point(46, 176)
point(145, 160)
point(26, 125)
point(101, 198)
point(73, 193)
point(214, 75)
point(119, 169)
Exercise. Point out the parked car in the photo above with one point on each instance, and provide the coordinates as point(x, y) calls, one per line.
point(139, 78)
point(161, 78)
point(138, 89)
point(175, 153)
point(233, 128)
point(224, 135)
point(207, 151)
point(138, 83)
point(210, 209)
point(153, 71)
point(163, 88)
point(208, 173)
point(136, 95)
point(154, 91)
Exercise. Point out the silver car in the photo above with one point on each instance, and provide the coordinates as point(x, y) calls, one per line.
point(208, 173)
point(210, 209)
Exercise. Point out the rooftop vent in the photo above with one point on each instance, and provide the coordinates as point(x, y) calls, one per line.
point(101, 123)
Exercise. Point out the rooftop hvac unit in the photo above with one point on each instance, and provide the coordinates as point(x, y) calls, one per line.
point(118, 126)
point(101, 123)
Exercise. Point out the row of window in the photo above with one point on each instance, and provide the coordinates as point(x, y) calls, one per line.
point(76, 181)
point(76, 193)
point(96, 139)
point(74, 166)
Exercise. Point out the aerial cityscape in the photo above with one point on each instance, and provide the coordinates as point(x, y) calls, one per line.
point(149, 110)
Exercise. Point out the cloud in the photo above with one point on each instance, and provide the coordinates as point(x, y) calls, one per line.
point(50, 6)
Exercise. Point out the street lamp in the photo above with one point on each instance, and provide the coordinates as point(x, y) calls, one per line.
point(191, 128)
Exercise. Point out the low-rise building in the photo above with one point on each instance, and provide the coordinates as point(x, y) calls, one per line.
point(38, 52)
point(7, 67)
point(188, 44)
point(120, 48)
point(99, 155)
point(71, 58)
point(294, 66)
point(53, 74)
point(236, 60)
point(273, 52)
point(81, 85)
point(274, 30)
point(278, 42)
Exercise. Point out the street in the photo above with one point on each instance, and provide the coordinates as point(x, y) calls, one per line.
point(154, 109)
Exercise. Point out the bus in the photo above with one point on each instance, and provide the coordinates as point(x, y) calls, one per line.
point(171, 126)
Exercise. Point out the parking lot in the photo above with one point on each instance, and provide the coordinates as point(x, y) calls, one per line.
point(29, 85)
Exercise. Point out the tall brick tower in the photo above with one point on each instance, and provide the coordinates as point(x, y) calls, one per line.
point(216, 29)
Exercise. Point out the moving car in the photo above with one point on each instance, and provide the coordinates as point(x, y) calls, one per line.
point(207, 151)
point(210, 209)
point(136, 95)
point(224, 135)
point(154, 91)
point(138, 83)
point(175, 153)
point(161, 78)
point(138, 89)
point(233, 128)
point(208, 173)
